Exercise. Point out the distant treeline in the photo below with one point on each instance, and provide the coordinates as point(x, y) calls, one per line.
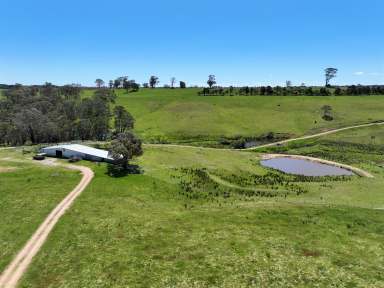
point(5, 86)
point(293, 91)
point(50, 114)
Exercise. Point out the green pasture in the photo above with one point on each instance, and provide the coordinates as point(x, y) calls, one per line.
point(182, 116)
point(28, 192)
point(148, 230)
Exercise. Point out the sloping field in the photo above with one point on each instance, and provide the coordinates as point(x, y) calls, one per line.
point(180, 115)
point(173, 226)
point(200, 217)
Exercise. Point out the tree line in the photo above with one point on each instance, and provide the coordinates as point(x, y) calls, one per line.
point(50, 114)
point(132, 86)
point(290, 90)
point(293, 91)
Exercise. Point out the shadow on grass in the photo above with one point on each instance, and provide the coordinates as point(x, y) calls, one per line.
point(117, 171)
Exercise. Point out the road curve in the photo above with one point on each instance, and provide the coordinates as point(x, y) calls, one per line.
point(274, 143)
point(316, 135)
point(15, 270)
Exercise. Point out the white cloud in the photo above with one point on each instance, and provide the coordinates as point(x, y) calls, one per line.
point(359, 73)
point(375, 74)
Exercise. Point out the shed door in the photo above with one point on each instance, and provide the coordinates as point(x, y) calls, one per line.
point(59, 154)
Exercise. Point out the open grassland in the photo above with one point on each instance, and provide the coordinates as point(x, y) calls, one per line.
point(177, 226)
point(28, 192)
point(181, 116)
point(200, 217)
point(369, 136)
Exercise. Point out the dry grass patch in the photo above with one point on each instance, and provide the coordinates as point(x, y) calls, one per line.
point(7, 169)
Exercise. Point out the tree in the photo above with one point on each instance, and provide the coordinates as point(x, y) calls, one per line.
point(126, 83)
point(231, 89)
point(211, 80)
point(94, 118)
point(135, 86)
point(330, 73)
point(124, 148)
point(183, 85)
point(99, 83)
point(120, 81)
point(337, 91)
point(110, 84)
point(173, 81)
point(106, 95)
point(123, 119)
point(153, 81)
point(323, 91)
point(51, 114)
point(130, 85)
point(309, 91)
point(145, 85)
point(288, 83)
point(70, 92)
point(34, 126)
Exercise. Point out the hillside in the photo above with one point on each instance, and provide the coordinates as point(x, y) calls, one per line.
point(211, 217)
point(181, 116)
point(175, 226)
point(197, 217)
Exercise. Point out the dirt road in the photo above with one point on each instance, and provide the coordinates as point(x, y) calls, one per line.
point(12, 274)
point(274, 143)
point(315, 135)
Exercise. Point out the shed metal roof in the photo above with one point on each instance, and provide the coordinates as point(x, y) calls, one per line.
point(83, 149)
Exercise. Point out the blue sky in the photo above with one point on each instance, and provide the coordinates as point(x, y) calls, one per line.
point(242, 42)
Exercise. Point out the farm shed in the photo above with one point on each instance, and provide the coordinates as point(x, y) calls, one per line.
point(78, 151)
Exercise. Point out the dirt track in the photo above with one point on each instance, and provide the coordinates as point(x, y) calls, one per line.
point(316, 135)
point(12, 274)
point(274, 143)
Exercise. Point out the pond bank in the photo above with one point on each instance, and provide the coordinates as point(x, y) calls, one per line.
point(355, 170)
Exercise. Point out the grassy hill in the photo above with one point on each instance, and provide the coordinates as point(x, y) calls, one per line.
point(176, 226)
point(202, 218)
point(181, 116)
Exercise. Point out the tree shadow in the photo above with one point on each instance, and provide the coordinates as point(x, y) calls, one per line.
point(118, 171)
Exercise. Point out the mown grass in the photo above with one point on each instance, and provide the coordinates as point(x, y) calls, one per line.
point(181, 116)
point(144, 231)
point(28, 192)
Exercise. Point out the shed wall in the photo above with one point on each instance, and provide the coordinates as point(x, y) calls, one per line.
point(67, 153)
